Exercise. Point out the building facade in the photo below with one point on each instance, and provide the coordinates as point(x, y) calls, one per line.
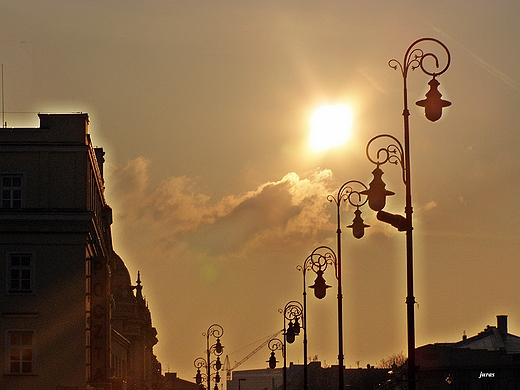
point(70, 317)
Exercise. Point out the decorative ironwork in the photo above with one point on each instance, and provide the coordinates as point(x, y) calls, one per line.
point(292, 313)
point(321, 258)
point(214, 330)
point(217, 349)
point(353, 193)
point(275, 344)
point(318, 261)
point(392, 153)
point(399, 154)
point(414, 58)
point(347, 193)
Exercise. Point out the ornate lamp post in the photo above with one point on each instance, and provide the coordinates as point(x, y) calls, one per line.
point(216, 349)
point(200, 363)
point(318, 261)
point(292, 312)
point(346, 193)
point(395, 153)
point(275, 344)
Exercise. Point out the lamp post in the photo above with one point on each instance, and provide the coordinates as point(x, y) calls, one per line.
point(395, 153)
point(346, 193)
point(292, 312)
point(318, 261)
point(216, 349)
point(275, 344)
point(200, 363)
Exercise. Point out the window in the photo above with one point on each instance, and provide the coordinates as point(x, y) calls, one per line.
point(11, 191)
point(20, 273)
point(20, 352)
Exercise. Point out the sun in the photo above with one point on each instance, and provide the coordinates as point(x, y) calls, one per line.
point(330, 126)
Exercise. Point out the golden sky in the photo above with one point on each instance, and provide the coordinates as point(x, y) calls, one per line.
point(204, 107)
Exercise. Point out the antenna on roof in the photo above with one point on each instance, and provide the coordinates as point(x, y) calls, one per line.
point(3, 103)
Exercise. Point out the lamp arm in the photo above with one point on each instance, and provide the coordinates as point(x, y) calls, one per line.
point(393, 153)
point(414, 58)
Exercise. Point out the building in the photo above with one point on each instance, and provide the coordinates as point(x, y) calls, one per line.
point(486, 361)
point(70, 316)
point(318, 378)
point(268, 379)
point(173, 382)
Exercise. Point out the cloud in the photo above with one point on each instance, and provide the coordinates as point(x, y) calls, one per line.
point(174, 201)
point(269, 209)
point(174, 216)
point(430, 205)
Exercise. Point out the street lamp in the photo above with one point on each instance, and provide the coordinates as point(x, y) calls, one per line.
point(200, 363)
point(318, 261)
point(292, 312)
point(274, 345)
point(395, 153)
point(346, 193)
point(216, 349)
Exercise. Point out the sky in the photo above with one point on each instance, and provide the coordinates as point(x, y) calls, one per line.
point(203, 109)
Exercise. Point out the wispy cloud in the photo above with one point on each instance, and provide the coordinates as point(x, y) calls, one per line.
point(480, 61)
point(175, 215)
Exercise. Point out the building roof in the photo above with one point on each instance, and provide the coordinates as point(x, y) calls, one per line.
point(491, 339)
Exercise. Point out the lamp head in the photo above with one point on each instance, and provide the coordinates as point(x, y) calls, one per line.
point(377, 191)
point(319, 286)
point(218, 347)
point(290, 334)
point(358, 225)
point(198, 377)
point(272, 361)
point(218, 363)
point(433, 104)
point(296, 326)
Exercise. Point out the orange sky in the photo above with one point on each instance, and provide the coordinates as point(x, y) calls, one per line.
point(203, 109)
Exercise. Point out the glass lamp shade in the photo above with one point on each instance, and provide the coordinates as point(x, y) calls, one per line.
point(377, 191)
point(218, 347)
point(272, 361)
point(433, 104)
point(319, 286)
point(358, 225)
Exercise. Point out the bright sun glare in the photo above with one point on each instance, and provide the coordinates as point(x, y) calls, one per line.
point(330, 126)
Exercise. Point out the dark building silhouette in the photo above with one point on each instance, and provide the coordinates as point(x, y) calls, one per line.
point(173, 382)
point(488, 360)
point(318, 378)
point(70, 316)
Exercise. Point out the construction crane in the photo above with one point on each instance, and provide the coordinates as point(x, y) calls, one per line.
point(227, 365)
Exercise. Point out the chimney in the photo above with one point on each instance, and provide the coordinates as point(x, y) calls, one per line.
point(502, 324)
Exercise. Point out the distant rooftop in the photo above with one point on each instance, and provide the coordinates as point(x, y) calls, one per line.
point(492, 338)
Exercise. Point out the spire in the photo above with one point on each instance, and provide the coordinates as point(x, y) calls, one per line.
point(138, 287)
